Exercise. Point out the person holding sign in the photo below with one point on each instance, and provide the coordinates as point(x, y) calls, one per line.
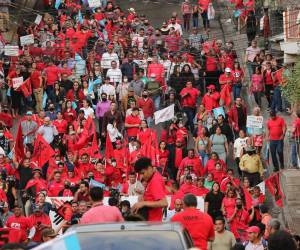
point(15, 80)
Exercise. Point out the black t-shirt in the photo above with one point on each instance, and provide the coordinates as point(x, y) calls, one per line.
point(214, 203)
point(25, 175)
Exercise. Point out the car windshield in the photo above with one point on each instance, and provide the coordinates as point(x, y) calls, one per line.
point(128, 240)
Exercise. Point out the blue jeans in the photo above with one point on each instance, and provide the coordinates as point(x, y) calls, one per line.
point(276, 148)
point(50, 93)
point(149, 121)
point(276, 100)
point(196, 22)
point(190, 113)
point(250, 67)
point(204, 157)
point(295, 147)
point(156, 100)
point(236, 90)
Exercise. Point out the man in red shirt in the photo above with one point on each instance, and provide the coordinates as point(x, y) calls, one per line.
point(211, 99)
point(20, 222)
point(37, 85)
point(56, 185)
point(198, 224)
point(51, 73)
point(147, 105)
point(226, 78)
point(40, 221)
point(295, 145)
point(189, 97)
point(275, 134)
point(154, 199)
point(191, 161)
point(132, 123)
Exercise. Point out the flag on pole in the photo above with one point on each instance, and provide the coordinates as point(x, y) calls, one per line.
point(94, 183)
point(26, 88)
point(19, 146)
point(57, 3)
point(80, 18)
point(164, 114)
point(273, 184)
point(42, 151)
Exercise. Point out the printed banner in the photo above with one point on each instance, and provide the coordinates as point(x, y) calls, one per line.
point(254, 121)
point(10, 50)
point(94, 3)
point(27, 40)
point(17, 82)
point(38, 19)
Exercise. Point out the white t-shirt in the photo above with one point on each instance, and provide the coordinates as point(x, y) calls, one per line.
point(108, 89)
point(107, 59)
point(115, 75)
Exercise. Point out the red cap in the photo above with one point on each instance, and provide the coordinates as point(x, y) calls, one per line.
point(253, 229)
point(110, 46)
point(211, 86)
point(118, 142)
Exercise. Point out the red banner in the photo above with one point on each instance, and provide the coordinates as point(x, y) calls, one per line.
point(42, 151)
point(273, 184)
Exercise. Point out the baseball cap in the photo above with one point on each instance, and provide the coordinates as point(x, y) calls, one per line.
point(110, 46)
point(228, 70)
point(253, 229)
point(211, 86)
point(29, 113)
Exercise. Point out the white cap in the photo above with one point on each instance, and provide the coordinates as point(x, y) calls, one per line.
point(131, 10)
point(228, 70)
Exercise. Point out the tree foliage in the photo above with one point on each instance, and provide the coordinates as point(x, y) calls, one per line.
point(291, 90)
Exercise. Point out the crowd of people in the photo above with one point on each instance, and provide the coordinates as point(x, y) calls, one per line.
point(80, 124)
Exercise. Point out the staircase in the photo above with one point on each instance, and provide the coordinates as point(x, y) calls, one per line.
point(290, 185)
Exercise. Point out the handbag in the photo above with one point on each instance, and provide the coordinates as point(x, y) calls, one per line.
point(211, 13)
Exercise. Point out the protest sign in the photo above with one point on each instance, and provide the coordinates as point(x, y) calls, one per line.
point(254, 121)
point(27, 40)
point(38, 19)
point(164, 114)
point(219, 111)
point(10, 50)
point(94, 3)
point(17, 82)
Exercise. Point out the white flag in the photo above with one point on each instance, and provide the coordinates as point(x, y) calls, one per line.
point(164, 114)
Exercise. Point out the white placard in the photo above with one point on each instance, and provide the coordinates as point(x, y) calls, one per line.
point(254, 121)
point(27, 40)
point(262, 187)
point(94, 3)
point(10, 50)
point(17, 82)
point(38, 19)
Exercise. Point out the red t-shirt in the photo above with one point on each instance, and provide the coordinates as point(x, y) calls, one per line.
point(132, 120)
point(35, 221)
point(12, 235)
point(296, 126)
point(147, 106)
point(211, 63)
point(21, 223)
point(199, 225)
point(275, 127)
point(55, 188)
point(52, 74)
point(61, 126)
point(35, 79)
point(224, 79)
point(155, 192)
point(189, 100)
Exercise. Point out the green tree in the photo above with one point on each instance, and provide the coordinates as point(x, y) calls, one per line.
point(291, 90)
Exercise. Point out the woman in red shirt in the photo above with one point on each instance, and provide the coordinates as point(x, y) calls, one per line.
point(238, 78)
point(212, 67)
point(60, 124)
point(162, 156)
point(229, 203)
point(70, 113)
point(145, 133)
point(76, 95)
point(269, 82)
point(70, 138)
